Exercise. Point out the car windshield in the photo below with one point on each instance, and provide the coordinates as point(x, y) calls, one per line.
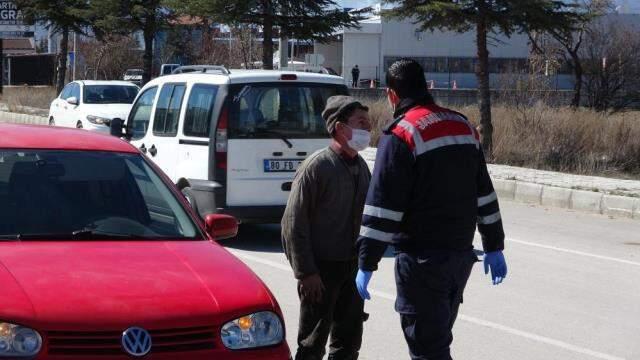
point(109, 94)
point(99, 195)
point(290, 110)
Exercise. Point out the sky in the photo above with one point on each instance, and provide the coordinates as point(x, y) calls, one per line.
point(633, 5)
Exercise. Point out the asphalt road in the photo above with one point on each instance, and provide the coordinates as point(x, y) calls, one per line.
point(573, 291)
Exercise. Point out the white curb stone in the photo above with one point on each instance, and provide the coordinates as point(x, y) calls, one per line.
point(506, 189)
point(528, 193)
point(587, 201)
point(621, 206)
point(16, 118)
point(556, 197)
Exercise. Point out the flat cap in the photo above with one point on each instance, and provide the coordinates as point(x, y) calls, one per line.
point(337, 106)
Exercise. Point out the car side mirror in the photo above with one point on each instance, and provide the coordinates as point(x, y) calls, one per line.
point(221, 226)
point(73, 100)
point(116, 127)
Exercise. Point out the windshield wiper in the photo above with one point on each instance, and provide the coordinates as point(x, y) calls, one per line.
point(280, 135)
point(83, 234)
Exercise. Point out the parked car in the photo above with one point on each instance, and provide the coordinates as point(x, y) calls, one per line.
point(232, 141)
point(102, 258)
point(133, 76)
point(91, 105)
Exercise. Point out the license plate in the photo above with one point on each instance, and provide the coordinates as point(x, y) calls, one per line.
point(281, 165)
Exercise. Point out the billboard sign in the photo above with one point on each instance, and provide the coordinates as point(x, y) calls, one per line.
point(9, 13)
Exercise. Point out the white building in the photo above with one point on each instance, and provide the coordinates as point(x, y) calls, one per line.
point(448, 58)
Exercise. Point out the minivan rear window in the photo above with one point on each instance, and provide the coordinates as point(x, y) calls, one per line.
point(268, 110)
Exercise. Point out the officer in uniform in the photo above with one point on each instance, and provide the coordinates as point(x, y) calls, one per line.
point(429, 192)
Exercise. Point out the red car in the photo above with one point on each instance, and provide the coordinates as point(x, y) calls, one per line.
point(101, 257)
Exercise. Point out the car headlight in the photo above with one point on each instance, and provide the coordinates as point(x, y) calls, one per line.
point(98, 120)
point(253, 331)
point(18, 341)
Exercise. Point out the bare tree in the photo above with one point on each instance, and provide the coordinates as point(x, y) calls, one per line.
point(108, 59)
point(612, 64)
point(571, 41)
point(244, 47)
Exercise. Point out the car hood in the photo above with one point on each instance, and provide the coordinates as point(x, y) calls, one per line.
point(76, 285)
point(109, 111)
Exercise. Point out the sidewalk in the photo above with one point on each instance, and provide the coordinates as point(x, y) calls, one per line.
point(613, 197)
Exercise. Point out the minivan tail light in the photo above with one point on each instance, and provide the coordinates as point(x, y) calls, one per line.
point(221, 140)
point(288, 77)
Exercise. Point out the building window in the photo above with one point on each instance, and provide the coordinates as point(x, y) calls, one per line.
point(465, 65)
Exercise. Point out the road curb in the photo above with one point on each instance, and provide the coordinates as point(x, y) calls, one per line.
point(528, 193)
point(621, 206)
point(506, 189)
point(556, 197)
point(17, 118)
point(588, 201)
point(564, 198)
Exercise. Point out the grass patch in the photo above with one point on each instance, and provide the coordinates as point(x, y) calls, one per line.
point(39, 97)
point(579, 141)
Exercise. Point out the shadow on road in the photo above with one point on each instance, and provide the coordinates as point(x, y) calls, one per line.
point(258, 238)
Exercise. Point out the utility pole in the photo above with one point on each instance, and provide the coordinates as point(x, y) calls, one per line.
point(284, 51)
point(1, 65)
point(75, 55)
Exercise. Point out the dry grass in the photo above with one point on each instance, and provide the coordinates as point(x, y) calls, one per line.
point(30, 96)
point(558, 139)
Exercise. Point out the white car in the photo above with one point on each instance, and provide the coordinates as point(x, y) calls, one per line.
point(232, 141)
point(133, 76)
point(92, 104)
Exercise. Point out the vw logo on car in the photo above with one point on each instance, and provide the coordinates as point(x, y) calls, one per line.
point(136, 341)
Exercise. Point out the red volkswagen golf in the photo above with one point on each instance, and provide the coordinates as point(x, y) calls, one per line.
point(101, 257)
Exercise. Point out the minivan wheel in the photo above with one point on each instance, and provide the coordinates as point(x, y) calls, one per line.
point(191, 199)
point(52, 122)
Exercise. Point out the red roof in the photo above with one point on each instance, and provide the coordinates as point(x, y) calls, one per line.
point(56, 138)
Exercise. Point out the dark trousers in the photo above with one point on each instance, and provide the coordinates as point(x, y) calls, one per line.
point(430, 287)
point(354, 81)
point(339, 314)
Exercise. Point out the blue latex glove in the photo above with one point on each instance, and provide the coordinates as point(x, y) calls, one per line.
point(362, 282)
point(495, 261)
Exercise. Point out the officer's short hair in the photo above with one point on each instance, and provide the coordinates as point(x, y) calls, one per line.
point(406, 78)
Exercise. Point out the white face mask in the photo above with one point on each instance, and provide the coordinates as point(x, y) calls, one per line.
point(360, 139)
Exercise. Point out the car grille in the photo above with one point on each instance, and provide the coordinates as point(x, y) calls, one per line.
point(109, 342)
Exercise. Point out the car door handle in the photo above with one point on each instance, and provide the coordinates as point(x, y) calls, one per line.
point(152, 150)
point(143, 149)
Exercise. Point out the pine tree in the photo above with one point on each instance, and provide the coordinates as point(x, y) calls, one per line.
point(129, 16)
point(486, 17)
point(63, 16)
point(302, 19)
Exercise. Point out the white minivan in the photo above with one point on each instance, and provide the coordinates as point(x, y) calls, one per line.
point(232, 141)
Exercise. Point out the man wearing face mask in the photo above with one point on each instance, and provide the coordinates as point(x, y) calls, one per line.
point(319, 231)
point(429, 191)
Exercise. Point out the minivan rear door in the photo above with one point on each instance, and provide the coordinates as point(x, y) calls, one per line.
point(272, 128)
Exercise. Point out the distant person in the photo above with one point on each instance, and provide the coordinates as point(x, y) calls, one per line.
point(319, 231)
point(429, 191)
point(355, 75)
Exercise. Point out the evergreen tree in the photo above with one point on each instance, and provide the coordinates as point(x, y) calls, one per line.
point(486, 17)
point(63, 16)
point(302, 19)
point(130, 16)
